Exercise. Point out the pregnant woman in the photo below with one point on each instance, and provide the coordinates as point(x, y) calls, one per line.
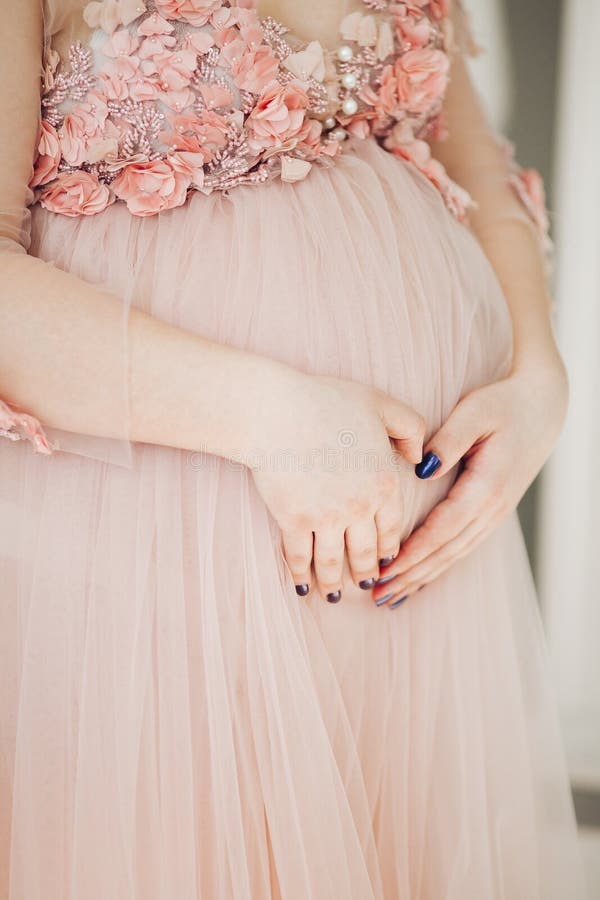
point(277, 363)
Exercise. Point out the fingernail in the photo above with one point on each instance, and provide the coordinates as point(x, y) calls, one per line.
point(386, 560)
point(428, 465)
point(385, 580)
point(302, 589)
point(398, 602)
point(366, 584)
point(384, 599)
point(334, 597)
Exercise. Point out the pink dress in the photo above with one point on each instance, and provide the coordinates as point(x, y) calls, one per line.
point(175, 722)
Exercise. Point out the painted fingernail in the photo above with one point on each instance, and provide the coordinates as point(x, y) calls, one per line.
point(397, 603)
point(302, 589)
point(386, 560)
point(334, 597)
point(383, 600)
point(428, 465)
point(366, 584)
point(385, 580)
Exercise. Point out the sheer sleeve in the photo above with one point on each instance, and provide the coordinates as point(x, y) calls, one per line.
point(508, 199)
point(16, 153)
point(34, 394)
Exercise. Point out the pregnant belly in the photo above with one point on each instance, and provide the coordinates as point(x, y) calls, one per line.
point(359, 272)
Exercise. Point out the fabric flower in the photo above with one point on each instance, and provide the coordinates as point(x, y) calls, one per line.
point(403, 143)
point(307, 63)
point(49, 154)
point(173, 67)
point(277, 117)
point(412, 30)
point(84, 123)
point(360, 28)
point(255, 70)
point(216, 96)
point(110, 14)
point(203, 135)
point(422, 78)
point(154, 25)
point(150, 187)
point(50, 63)
point(19, 426)
point(76, 194)
point(196, 12)
point(529, 187)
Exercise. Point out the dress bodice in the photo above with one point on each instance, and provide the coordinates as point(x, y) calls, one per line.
point(169, 96)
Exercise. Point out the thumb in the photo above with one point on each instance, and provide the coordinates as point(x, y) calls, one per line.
point(464, 426)
point(407, 428)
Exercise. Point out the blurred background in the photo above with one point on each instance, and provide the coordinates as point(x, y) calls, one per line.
point(540, 78)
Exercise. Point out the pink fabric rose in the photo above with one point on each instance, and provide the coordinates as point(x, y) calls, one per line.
point(110, 14)
point(403, 143)
point(277, 117)
point(439, 9)
point(255, 70)
point(529, 187)
point(49, 153)
point(150, 187)
point(76, 194)
point(174, 68)
point(422, 78)
point(196, 12)
point(82, 124)
point(19, 426)
point(412, 30)
point(216, 96)
point(154, 25)
point(205, 134)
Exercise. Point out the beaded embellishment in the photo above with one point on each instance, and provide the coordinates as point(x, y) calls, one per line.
point(174, 95)
point(179, 95)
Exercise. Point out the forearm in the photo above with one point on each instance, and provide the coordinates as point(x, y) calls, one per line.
point(513, 249)
point(68, 358)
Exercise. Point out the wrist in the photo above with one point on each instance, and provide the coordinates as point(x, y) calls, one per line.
point(262, 394)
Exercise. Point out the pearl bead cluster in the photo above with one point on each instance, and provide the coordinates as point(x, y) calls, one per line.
point(349, 106)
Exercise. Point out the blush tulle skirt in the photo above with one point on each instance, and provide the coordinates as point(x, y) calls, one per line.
point(176, 723)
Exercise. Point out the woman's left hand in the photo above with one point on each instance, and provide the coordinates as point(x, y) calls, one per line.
point(503, 433)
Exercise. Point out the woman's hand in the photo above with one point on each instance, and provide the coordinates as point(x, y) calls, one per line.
point(331, 477)
point(503, 432)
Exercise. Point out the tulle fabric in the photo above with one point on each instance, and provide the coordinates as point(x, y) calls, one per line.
point(176, 721)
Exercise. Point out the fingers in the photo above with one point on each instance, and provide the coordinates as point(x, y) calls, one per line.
point(467, 499)
point(361, 547)
point(329, 562)
point(439, 561)
point(390, 524)
point(466, 425)
point(407, 428)
point(298, 552)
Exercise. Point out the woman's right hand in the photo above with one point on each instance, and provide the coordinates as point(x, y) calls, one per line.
point(331, 477)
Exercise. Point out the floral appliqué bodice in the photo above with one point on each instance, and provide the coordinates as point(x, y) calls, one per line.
point(174, 96)
point(178, 95)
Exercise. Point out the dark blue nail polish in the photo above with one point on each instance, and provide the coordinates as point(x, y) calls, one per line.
point(383, 600)
point(366, 584)
point(302, 589)
point(428, 465)
point(397, 603)
point(386, 560)
point(386, 579)
point(334, 597)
